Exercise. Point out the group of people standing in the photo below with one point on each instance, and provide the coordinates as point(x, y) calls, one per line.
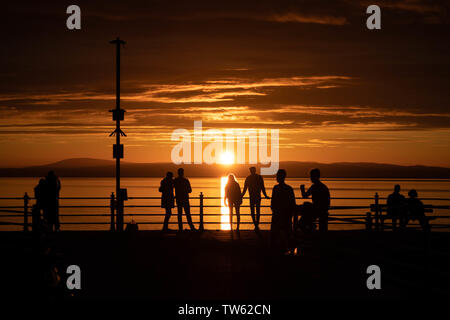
point(46, 194)
point(182, 188)
point(285, 211)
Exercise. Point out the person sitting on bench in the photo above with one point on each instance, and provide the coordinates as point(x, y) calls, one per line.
point(320, 195)
point(396, 208)
point(416, 210)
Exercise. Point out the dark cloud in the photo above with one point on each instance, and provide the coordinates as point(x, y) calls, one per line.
point(274, 64)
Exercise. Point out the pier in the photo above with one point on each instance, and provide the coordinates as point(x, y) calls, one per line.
point(365, 216)
point(218, 265)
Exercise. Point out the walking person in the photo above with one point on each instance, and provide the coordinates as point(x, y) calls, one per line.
point(51, 210)
point(233, 198)
point(283, 207)
point(182, 190)
point(167, 198)
point(320, 195)
point(255, 185)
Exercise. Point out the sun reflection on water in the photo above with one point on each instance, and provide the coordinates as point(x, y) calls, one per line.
point(224, 211)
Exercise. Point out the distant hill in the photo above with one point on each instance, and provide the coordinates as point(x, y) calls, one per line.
point(86, 167)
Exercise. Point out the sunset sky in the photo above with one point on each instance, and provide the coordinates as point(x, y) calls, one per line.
point(335, 90)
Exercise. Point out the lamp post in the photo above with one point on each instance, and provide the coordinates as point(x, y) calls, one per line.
point(118, 115)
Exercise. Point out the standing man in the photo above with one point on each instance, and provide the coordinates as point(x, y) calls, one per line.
point(283, 207)
point(320, 198)
point(53, 187)
point(255, 184)
point(182, 190)
point(167, 198)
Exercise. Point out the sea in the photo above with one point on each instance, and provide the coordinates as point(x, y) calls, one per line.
point(96, 213)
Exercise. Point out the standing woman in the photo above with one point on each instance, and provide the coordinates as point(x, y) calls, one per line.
point(167, 198)
point(233, 198)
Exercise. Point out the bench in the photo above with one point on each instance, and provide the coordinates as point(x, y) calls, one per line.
point(380, 215)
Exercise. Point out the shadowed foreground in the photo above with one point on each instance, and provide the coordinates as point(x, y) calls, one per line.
point(214, 265)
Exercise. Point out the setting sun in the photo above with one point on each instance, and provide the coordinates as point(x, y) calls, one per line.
point(226, 158)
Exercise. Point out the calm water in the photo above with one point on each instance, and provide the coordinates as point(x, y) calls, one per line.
point(211, 187)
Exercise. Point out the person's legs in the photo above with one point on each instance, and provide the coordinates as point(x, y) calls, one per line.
point(258, 212)
point(252, 212)
point(295, 217)
point(52, 217)
point(57, 225)
point(424, 223)
point(230, 206)
point(274, 235)
point(45, 214)
point(238, 216)
point(180, 216)
point(403, 221)
point(187, 211)
point(323, 222)
point(166, 218)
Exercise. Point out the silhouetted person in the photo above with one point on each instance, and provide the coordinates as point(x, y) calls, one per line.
point(255, 185)
point(396, 207)
point(283, 206)
point(233, 198)
point(182, 190)
point(51, 210)
point(40, 194)
point(167, 198)
point(416, 210)
point(320, 195)
point(41, 197)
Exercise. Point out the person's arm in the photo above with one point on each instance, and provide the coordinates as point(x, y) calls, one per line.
point(389, 201)
point(292, 204)
point(274, 199)
point(160, 186)
point(189, 186)
point(263, 188)
point(245, 187)
point(305, 194)
point(328, 198)
point(421, 208)
point(225, 198)
point(59, 186)
point(238, 192)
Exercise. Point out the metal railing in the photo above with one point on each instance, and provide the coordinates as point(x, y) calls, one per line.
point(371, 216)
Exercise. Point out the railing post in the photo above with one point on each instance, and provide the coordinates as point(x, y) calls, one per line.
point(201, 228)
point(112, 205)
point(26, 198)
point(119, 214)
point(377, 211)
point(368, 221)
